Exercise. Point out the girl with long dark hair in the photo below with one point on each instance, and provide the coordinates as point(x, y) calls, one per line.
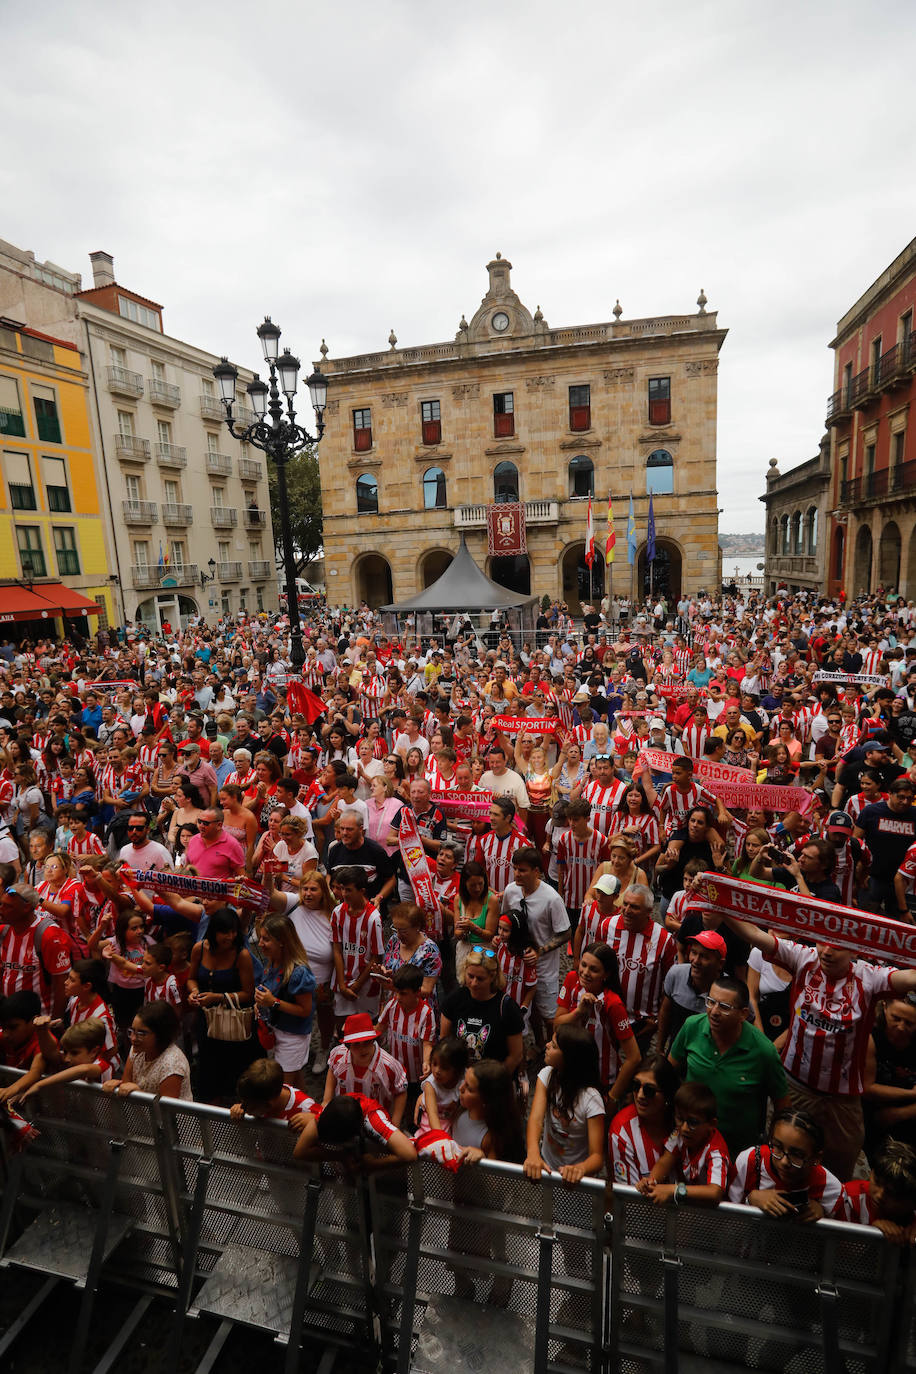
point(566, 1125)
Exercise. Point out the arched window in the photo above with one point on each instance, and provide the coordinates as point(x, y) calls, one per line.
point(434, 489)
point(660, 472)
point(366, 494)
point(784, 525)
point(811, 531)
point(581, 477)
point(505, 483)
point(797, 532)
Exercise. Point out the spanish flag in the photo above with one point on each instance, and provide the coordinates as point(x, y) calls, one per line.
point(611, 539)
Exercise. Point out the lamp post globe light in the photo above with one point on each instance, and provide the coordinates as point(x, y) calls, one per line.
point(280, 437)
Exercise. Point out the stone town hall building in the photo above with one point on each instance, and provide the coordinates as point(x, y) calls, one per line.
point(421, 440)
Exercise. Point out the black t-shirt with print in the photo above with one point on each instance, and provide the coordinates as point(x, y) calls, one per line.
point(485, 1027)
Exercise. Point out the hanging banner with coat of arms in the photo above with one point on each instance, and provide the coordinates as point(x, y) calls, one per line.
point(506, 530)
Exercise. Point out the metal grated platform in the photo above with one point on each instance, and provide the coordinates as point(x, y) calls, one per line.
point(60, 1242)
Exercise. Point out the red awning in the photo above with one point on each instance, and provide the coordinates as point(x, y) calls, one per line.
point(18, 603)
point(66, 599)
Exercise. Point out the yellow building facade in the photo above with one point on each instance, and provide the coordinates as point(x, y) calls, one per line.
point(50, 512)
point(421, 441)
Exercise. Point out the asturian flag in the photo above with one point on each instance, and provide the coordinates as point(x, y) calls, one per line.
point(590, 537)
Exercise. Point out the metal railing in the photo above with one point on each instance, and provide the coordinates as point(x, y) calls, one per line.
point(211, 408)
point(219, 464)
point(153, 575)
point(229, 572)
point(125, 383)
point(249, 470)
point(224, 517)
point(892, 367)
point(139, 512)
point(171, 456)
point(176, 1199)
point(164, 393)
point(176, 513)
point(899, 480)
point(259, 569)
point(128, 447)
point(254, 519)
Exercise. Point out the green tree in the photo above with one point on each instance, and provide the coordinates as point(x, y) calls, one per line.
point(303, 486)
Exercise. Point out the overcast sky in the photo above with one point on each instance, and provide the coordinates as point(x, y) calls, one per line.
point(350, 168)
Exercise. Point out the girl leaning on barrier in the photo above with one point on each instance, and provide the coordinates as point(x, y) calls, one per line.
point(155, 1063)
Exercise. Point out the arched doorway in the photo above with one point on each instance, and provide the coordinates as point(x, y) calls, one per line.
point(578, 587)
point(839, 553)
point(168, 608)
point(663, 575)
point(861, 576)
point(372, 580)
point(512, 573)
point(433, 564)
point(889, 557)
point(910, 589)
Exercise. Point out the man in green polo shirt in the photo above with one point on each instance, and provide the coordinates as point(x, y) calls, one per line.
point(724, 1051)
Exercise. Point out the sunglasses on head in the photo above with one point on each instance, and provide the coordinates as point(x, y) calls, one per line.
point(482, 949)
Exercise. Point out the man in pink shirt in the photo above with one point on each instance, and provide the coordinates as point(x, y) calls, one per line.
point(214, 853)
point(197, 770)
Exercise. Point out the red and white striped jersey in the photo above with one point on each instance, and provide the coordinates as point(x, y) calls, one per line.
point(580, 733)
point(647, 829)
point(908, 867)
point(753, 1170)
point(166, 991)
point(844, 874)
point(312, 674)
point(295, 1101)
point(520, 977)
point(577, 861)
point(849, 738)
point(148, 757)
point(104, 780)
point(495, 853)
point(383, 1076)
point(243, 780)
point(693, 740)
point(370, 698)
point(604, 801)
point(830, 1021)
point(854, 805)
point(643, 958)
point(62, 788)
point(434, 777)
point(72, 892)
point(89, 844)
point(41, 740)
point(7, 792)
point(404, 1033)
point(20, 967)
point(675, 806)
point(446, 890)
point(359, 937)
point(632, 1154)
point(97, 1010)
point(711, 1163)
point(590, 922)
point(871, 662)
point(607, 1021)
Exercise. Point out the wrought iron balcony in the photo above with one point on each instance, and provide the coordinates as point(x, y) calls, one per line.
point(164, 393)
point(171, 456)
point(250, 471)
point(887, 484)
point(219, 464)
point(175, 574)
point(224, 517)
point(174, 513)
point(259, 570)
point(229, 572)
point(139, 512)
point(132, 449)
point(255, 519)
point(124, 383)
point(211, 408)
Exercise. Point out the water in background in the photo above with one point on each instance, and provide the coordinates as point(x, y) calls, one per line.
point(746, 564)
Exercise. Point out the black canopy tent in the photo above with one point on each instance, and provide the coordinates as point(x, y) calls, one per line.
point(464, 589)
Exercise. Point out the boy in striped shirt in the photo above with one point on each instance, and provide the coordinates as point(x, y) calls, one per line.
point(579, 853)
point(361, 1066)
point(408, 1027)
point(83, 841)
point(263, 1094)
point(160, 984)
point(695, 1154)
point(887, 1198)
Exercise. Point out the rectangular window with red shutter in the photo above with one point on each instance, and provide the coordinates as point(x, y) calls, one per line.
point(504, 415)
point(580, 407)
point(362, 430)
point(659, 400)
point(431, 422)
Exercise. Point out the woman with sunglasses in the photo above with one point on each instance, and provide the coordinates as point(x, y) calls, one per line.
point(638, 1133)
point(786, 1178)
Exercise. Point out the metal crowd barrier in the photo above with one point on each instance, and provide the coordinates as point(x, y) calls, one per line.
point(423, 1271)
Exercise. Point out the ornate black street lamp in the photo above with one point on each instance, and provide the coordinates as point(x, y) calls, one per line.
point(280, 438)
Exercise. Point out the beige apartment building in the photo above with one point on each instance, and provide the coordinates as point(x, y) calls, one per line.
point(186, 505)
point(421, 441)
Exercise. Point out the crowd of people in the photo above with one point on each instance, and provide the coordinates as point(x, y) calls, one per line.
point(211, 890)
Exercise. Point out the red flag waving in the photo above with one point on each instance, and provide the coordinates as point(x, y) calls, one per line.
point(304, 702)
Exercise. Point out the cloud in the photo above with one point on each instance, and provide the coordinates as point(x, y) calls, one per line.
point(351, 168)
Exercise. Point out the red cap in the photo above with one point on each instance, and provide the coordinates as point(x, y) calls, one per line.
point(358, 1028)
point(709, 939)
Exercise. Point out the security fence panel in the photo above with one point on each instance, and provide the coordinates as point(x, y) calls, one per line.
point(740, 1290)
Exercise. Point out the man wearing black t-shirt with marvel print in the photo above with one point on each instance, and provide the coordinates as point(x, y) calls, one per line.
point(889, 829)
